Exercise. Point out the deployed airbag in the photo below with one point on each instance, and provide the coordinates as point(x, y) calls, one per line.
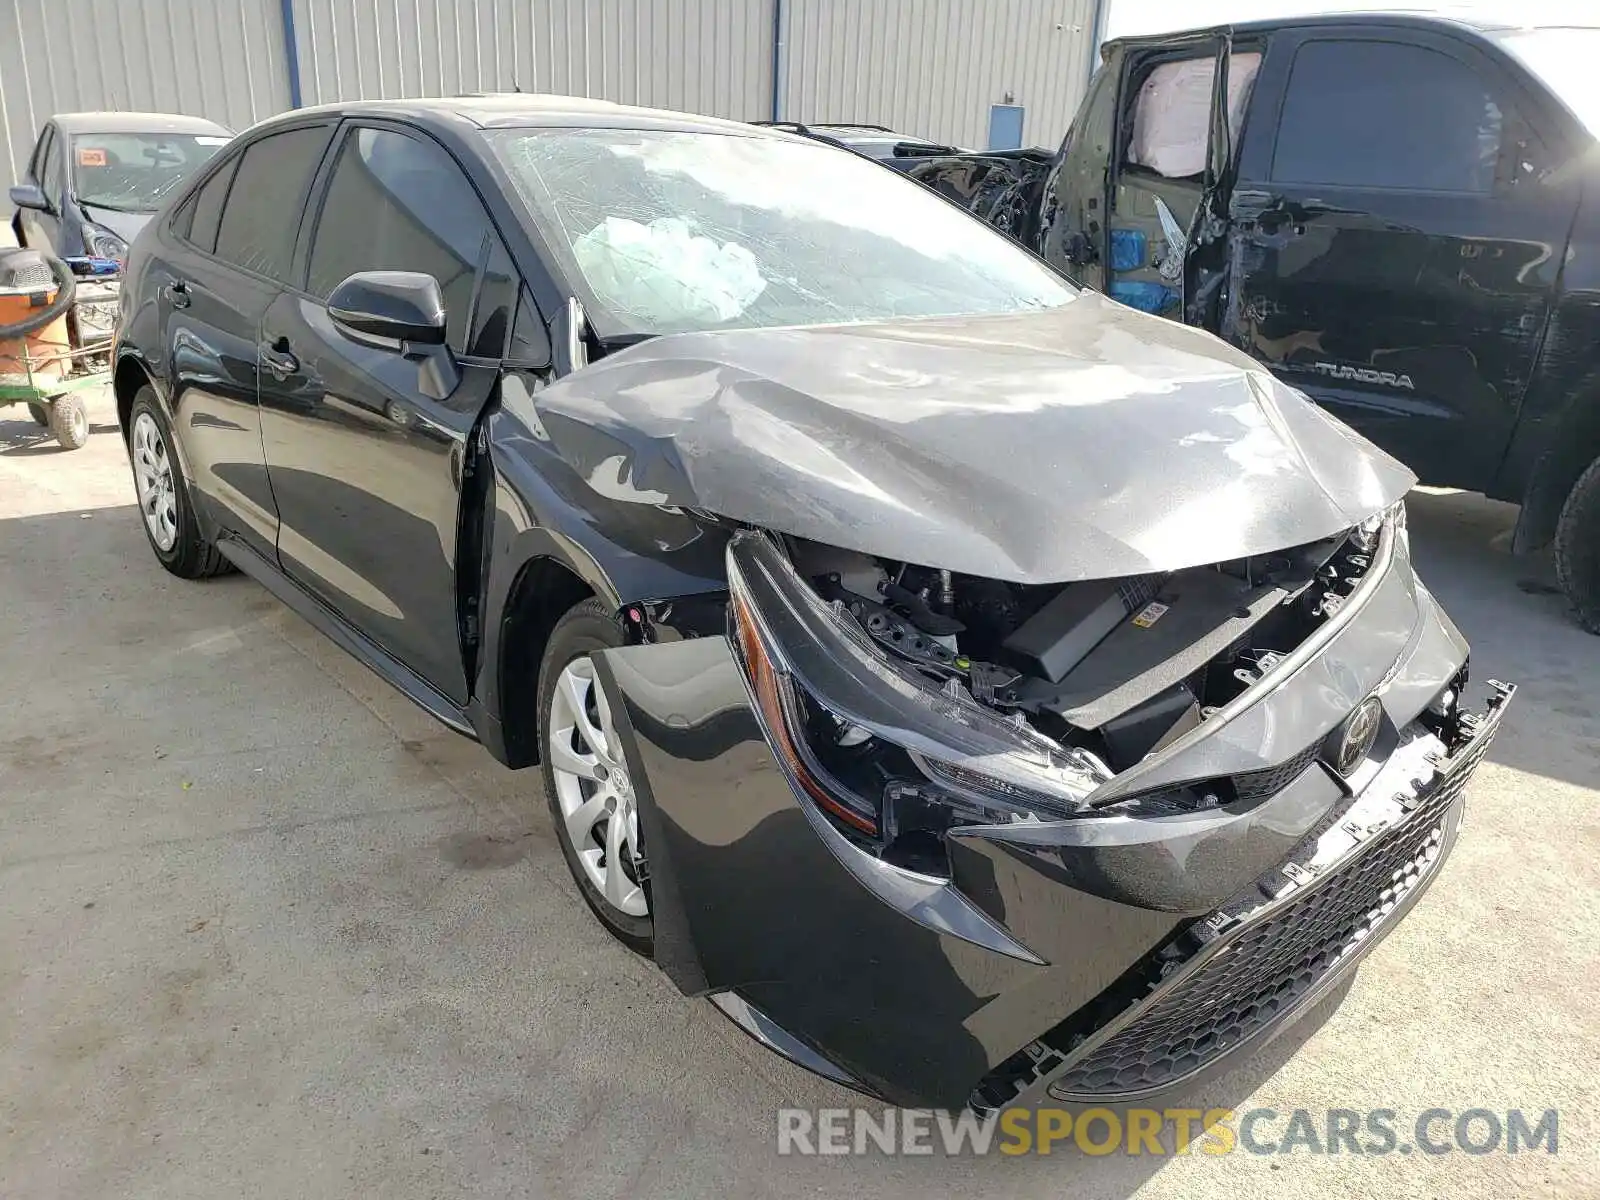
point(663, 273)
point(1172, 117)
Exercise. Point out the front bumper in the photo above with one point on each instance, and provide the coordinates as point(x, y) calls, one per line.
point(1270, 953)
point(1050, 967)
point(96, 308)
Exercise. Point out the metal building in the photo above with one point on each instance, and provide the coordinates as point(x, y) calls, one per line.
point(931, 67)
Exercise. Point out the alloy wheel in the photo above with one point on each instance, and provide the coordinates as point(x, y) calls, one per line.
point(594, 791)
point(152, 474)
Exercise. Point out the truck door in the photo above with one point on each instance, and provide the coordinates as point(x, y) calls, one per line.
point(1140, 192)
point(1072, 221)
point(1395, 250)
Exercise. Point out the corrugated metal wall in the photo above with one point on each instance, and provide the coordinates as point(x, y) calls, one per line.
point(933, 67)
point(708, 56)
point(930, 67)
point(221, 59)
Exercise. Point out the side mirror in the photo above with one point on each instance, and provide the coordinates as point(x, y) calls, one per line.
point(401, 311)
point(396, 306)
point(29, 195)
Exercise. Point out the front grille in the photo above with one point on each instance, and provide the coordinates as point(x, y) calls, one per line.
point(1245, 981)
point(1251, 786)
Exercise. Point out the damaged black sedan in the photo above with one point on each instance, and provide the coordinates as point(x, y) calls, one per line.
point(983, 692)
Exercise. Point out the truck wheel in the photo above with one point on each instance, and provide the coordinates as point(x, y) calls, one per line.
point(40, 415)
point(69, 422)
point(1577, 547)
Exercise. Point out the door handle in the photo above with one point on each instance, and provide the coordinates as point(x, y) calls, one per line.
point(1274, 221)
point(277, 358)
point(177, 293)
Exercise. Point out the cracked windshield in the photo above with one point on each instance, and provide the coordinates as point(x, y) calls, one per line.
point(683, 231)
point(135, 172)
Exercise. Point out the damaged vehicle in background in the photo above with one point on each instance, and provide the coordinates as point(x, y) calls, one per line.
point(1397, 214)
point(92, 181)
point(981, 691)
point(94, 178)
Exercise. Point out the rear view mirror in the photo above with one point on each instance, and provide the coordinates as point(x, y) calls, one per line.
point(28, 195)
point(397, 306)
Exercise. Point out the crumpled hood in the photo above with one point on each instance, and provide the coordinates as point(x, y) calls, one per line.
point(126, 225)
point(1079, 442)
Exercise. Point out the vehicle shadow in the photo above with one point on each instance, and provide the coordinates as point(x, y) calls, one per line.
point(1114, 1172)
point(18, 430)
point(23, 438)
point(1521, 630)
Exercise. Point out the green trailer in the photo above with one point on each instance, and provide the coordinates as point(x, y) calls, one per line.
point(57, 403)
point(40, 368)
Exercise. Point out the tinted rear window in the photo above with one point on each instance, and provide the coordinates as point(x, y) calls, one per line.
point(1386, 115)
point(205, 208)
point(263, 209)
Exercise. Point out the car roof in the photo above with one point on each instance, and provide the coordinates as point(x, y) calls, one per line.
point(1476, 20)
point(134, 122)
point(530, 109)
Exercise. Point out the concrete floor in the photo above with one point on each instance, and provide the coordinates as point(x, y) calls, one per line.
point(268, 931)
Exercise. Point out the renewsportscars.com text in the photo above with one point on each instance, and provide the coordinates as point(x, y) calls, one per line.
point(1168, 1131)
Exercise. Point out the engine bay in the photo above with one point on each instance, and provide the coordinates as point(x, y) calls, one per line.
point(1116, 668)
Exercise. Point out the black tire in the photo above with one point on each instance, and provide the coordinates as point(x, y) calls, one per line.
point(1577, 547)
point(40, 414)
point(69, 422)
point(191, 556)
point(587, 627)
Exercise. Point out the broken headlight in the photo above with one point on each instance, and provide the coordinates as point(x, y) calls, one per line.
point(882, 751)
point(1365, 536)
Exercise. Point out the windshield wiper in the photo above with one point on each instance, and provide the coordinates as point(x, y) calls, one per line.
point(110, 207)
point(622, 341)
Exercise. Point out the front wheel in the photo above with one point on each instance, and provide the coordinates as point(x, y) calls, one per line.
point(586, 778)
point(1577, 547)
point(170, 523)
point(40, 414)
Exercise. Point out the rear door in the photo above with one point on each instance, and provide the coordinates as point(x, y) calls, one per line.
point(366, 466)
point(222, 262)
point(1396, 253)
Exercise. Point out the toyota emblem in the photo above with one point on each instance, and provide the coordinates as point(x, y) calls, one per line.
point(1353, 740)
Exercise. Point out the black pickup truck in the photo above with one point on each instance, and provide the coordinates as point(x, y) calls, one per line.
point(1388, 211)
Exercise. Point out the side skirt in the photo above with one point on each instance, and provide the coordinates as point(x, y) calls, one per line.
point(348, 638)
